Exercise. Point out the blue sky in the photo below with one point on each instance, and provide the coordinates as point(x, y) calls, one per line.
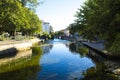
point(59, 13)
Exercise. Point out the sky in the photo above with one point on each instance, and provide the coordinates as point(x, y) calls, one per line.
point(59, 13)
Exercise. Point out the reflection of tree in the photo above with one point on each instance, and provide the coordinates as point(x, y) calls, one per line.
point(22, 69)
point(37, 50)
point(72, 47)
point(94, 56)
point(28, 73)
point(46, 48)
point(102, 69)
point(67, 44)
point(98, 73)
point(83, 51)
point(51, 46)
point(78, 48)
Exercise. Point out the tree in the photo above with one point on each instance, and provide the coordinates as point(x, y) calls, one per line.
point(11, 15)
point(15, 17)
point(101, 21)
point(29, 2)
point(34, 23)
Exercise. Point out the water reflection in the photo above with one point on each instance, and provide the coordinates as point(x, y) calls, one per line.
point(98, 73)
point(79, 49)
point(64, 61)
point(62, 64)
point(101, 70)
point(22, 67)
point(46, 48)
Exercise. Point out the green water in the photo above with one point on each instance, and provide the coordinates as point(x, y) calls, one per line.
point(58, 60)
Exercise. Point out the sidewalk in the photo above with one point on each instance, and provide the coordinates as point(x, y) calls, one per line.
point(7, 42)
point(97, 46)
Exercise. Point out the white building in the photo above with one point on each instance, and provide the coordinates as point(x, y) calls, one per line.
point(66, 32)
point(46, 27)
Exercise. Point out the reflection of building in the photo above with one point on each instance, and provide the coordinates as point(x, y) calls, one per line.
point(46, 27)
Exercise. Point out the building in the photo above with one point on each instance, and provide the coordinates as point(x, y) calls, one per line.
point(66, 32)
point(46, 27)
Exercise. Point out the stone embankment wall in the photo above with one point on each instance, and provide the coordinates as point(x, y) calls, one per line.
point(17, 46)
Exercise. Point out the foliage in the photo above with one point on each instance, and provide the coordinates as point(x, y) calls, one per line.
point(94, 20)
point(2, 38)
point(19, 37)
point(52, 35)
point(16, 17)
point(29, 3)
point(46, 36)
point(59, 33)
point(115, 48)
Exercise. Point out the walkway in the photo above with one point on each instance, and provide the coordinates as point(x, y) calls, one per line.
point(96, 46)
point(7, 42)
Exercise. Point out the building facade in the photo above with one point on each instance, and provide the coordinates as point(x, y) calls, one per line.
point(66, 32)
point(46, 27)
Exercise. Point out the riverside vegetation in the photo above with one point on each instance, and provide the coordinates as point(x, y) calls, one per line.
point(99, 20)
point(19, 16)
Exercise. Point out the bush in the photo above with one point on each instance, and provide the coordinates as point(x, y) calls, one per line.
point(2, 37)
point(19, 37)
point(115, 48)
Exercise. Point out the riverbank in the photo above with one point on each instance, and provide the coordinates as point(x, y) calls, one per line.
point(11, 46)
point(99, 48)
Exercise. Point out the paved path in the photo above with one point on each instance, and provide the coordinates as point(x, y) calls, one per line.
point(11, 42)
point(98, 46)
point(7, 42)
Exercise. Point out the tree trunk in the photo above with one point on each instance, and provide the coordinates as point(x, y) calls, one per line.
point(14, 33)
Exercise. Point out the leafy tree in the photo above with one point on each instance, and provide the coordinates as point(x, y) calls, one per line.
point(101, 21)
point(16, 17)
point(29, 2)
point(34, 23)
point(11, 15)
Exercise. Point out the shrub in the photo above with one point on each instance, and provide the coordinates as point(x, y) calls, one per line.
point(115, 48)
point(2, 38)
point(19, 37)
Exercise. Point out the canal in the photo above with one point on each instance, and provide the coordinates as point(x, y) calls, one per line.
point(57, 60)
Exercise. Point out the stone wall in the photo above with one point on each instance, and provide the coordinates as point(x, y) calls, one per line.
point(18, 46)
